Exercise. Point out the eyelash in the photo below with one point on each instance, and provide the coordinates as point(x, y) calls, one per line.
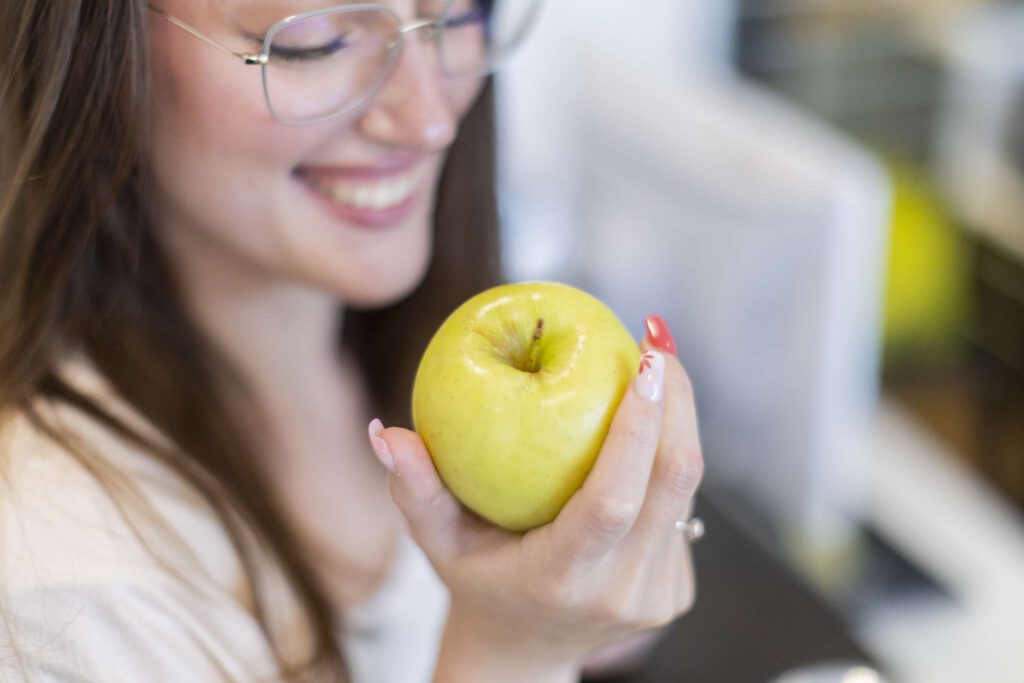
point(309, 54)
point(478, 13)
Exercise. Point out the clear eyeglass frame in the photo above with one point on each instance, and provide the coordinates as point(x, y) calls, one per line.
point(432, 26)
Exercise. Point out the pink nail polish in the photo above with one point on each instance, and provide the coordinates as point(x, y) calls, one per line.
point(650, 377)
point(380, 446)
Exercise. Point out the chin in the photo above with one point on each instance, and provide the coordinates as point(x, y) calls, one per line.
point(383, 289)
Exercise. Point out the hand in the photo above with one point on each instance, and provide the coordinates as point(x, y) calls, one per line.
point(610, 565)
point(622, 657)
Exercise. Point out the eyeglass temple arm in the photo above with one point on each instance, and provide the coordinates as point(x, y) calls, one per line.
point(248, 58)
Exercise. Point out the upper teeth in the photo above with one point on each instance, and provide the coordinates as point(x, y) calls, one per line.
point(377, 195)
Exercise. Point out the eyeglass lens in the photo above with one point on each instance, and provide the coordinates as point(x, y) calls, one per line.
point(329, 62)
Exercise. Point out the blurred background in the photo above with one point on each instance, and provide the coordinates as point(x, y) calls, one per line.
point(825, 199)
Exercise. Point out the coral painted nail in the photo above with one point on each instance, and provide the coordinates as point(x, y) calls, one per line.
point(658, 334)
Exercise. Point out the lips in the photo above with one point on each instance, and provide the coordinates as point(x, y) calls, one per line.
point(365, 196)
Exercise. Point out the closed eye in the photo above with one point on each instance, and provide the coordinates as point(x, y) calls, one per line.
point(474, 16)
point(307, 54)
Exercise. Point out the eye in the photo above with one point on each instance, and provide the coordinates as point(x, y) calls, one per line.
point(306, 54)
point(317, 37)
point(468, 12)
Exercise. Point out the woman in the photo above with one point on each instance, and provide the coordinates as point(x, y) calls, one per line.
point(209, 283)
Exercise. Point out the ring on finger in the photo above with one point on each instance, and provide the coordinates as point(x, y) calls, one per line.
point(693, 529)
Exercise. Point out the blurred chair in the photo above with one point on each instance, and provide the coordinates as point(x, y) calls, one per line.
point(634, 163)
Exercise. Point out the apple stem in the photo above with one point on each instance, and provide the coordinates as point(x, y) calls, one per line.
point(532, 362)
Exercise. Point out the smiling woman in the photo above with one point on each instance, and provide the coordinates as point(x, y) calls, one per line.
point(94, 273)
point(211, 277)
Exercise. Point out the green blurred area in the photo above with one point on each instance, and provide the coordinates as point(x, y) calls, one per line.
point(927, 294)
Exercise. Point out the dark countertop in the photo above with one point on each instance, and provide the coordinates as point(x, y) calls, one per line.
point(753, 619)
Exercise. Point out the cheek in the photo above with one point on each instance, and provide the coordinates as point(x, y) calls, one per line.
point(197, 87)
point(461, 94)
point(220, 162)
point(209, 110)
point(212, 106)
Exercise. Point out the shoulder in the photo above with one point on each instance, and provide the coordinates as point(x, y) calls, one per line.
point(67, 519)
point(126, 630)
point(116, 574)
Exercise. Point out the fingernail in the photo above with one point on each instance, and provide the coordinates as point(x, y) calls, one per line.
point(658, 334)
point(651, 376)
point(380, 446)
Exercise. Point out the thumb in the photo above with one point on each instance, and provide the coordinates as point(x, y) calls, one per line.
point(432, 512)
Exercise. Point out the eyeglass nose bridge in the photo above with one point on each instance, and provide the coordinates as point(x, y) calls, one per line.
point(433, 27)
point(418, 24)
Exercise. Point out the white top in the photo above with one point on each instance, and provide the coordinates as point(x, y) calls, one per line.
point(85, 601)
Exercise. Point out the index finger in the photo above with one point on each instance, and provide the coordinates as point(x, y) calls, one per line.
point(605, 508)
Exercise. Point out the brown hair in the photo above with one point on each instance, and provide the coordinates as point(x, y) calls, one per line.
point(80, 269)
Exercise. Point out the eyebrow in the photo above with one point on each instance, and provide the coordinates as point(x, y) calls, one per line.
point(240, 19)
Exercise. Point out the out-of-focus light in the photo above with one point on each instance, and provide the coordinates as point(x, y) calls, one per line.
point(832, 672)
point(861, 674)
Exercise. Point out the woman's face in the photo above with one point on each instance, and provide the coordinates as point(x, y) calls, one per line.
point(344, 205)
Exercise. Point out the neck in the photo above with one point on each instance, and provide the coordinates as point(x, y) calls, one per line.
point(280, 334)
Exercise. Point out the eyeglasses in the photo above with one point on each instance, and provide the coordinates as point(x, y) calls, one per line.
point(326, 63)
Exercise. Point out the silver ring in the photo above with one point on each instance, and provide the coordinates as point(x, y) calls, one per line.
point(693, 530)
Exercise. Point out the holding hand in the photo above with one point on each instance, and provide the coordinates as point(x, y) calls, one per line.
point(613, 563)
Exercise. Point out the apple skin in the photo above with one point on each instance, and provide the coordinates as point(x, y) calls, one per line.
point(514, 445)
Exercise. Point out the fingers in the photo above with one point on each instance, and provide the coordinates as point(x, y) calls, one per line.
point(621, 656)
point(678, 470)
point(686, 579)
point(670, 578)
point(597, 517)
point(432, 512)
point(679, 464)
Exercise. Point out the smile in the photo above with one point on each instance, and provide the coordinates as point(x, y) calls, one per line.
point(366, 197)
point(379, 194)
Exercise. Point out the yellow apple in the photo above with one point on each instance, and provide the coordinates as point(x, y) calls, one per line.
point(514, 395)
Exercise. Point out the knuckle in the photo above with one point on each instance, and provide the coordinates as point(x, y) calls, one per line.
point(686, 602)
point(613, 610)
point(551, 596)
point(683, 472)
point(610, 515)
point(632, 609)
point(643, 618)
point(661, 614)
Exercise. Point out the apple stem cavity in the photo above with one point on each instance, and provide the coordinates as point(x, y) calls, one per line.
point(532, 361)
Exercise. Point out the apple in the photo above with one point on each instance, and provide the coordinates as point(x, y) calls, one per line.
point(514, 396)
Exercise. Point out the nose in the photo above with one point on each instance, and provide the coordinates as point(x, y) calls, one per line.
point(411, 109)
